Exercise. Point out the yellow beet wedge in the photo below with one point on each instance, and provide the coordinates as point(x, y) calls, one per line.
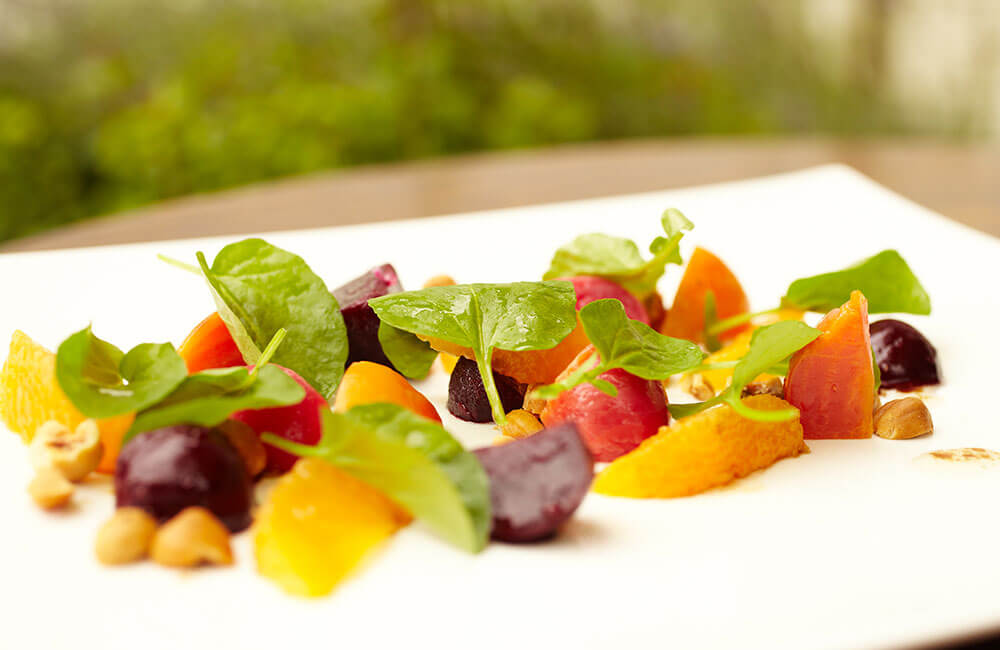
point(703, 451)
point(317, 524)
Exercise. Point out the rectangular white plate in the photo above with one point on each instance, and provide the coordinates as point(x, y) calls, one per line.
point(853, 545)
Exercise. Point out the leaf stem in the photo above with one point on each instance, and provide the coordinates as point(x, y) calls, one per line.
point(272, 347)
point(184, 266)
point(484, 362)
point(728, 323)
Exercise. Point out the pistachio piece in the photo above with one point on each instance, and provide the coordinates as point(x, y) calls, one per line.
point(50, 489)
point(902, 419)
point(74, 454)
point(191, 538)
point(125, 537)
point(521, 424)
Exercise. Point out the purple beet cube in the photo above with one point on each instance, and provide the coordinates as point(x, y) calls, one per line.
point(537, 483)
point(467, 398)
point(360, 319)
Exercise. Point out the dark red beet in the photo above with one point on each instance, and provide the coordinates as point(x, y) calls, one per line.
point(467, 398)
point(169, 469)
point(360, 319)
point(906, 359)
point(536, 483)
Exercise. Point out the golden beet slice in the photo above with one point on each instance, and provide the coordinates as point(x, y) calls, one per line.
point(703, 451)
point(319, 523)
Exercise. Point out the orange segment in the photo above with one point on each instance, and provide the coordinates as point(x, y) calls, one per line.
point(703, 451)
point(365, 382)
point(30, 396)
point(705, 272)
point(529, 366)
point(317, 525)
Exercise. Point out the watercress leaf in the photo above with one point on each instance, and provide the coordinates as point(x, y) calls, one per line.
point(102, 382)
point(413, 461)
point(208, 397)
point(886, 280)
point(409, 355)
point(634, 346)
point(770, 346)
point(518, 316)
point(620, 260)
point(261, 288)
point(605, 387)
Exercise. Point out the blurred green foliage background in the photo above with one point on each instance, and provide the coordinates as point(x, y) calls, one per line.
point(110, 104)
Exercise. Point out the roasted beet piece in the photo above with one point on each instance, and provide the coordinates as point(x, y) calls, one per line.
point(467, 398)
point(169, 469)
point(360, 319)
point(536, 483)
point(906, 359)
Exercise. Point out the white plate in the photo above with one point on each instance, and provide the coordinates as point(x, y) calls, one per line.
point(853, 545)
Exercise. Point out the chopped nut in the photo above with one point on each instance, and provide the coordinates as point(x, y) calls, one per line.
point(697, 386)
point(192, 537)
point(125, 537)
point(247, 444)
point(50, 489)
point(521, 424)
point(770, 386)
point(439, 281)
point(902, 419)
point(533, 404)
point(75, 454)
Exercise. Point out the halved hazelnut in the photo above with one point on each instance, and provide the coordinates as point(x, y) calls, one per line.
point(697, 386)
point(521, 424)
point(125, 537)
point(902, 419)
point(74, 454)
point(193, 537)
point(50, 489)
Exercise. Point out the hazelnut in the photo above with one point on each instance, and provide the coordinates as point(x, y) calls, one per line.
point(521, 424)
point(247, 444)
point(74, 454)
point(770, 386)
point(50, 489)
point(440, 281)
point(697, 386)
point(193, 537)
point(533, 403)
point(125, 537)
point(902, 419)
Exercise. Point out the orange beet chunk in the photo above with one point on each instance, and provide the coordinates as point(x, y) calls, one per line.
point(528, 366)
point(831, 380)
point(366, 382)
point(209, 345)
point(705, 272)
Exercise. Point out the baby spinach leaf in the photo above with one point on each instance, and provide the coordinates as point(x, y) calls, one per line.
point(260, 288)
point(628, 344)
point(619, 260)
point(885, 278)
point(409, 355)
point(103, 382)
point(208, 397)
point(414, 461)
point(770, 346)
point(484, 317)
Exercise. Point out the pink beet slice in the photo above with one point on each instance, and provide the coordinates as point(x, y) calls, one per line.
point(612, 426)
point(590, 288)
point(536, 483)
point(296, 422)
point(360, 319)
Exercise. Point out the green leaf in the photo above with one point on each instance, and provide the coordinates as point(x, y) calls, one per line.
point(628, 344)
point(414, 461)
point(770, 346)
point(484, 317)
point(408, 354)
point(620, 260)
point(102, 382)
point(886, 280)
point(260, 288)
point(209, 397)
